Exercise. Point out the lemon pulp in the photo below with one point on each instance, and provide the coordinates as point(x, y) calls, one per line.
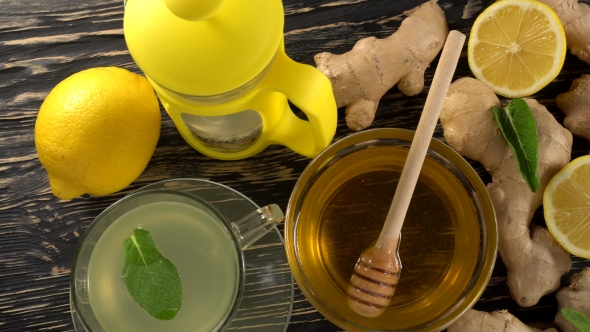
point(516, 47)
point(567, 209)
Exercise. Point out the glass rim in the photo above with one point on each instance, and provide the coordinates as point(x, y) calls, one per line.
point(350, 144)
point(74, 302)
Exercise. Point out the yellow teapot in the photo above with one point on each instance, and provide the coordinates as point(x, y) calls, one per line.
point(221, 72)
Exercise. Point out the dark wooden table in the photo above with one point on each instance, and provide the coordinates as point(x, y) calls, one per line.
point(43, 42)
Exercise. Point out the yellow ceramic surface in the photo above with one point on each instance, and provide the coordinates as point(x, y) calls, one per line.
point(220, 57)
point(203, 57)
point(306, 87)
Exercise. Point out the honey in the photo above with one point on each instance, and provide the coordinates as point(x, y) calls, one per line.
point(342, 214)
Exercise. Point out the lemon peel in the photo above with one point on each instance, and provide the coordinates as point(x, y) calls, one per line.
point(96, 131)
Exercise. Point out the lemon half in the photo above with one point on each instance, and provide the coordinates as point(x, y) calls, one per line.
point(516, 47)
point(566, 206)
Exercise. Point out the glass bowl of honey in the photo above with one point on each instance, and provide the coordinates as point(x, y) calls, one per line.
point(448, 242)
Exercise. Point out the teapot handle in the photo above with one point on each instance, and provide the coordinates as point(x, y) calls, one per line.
point(309, 90)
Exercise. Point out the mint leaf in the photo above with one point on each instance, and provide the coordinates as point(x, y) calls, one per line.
point(577, 318)
point(518, 126)
point(151, 279)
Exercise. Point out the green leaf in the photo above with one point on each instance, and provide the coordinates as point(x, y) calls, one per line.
point(577, 318)
point(151, 279)
point(518, 126)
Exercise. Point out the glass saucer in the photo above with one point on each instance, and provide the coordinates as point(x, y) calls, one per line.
point(268, 296)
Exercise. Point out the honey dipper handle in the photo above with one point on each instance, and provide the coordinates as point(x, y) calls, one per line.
point(434, 102)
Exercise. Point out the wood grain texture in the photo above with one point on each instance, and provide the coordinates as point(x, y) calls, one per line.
point(43, 42)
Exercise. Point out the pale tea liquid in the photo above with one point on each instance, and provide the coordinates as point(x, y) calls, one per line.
point(197, 244)
point(344, 213)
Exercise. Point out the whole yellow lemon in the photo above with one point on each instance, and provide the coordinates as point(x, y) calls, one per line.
point(96, 131)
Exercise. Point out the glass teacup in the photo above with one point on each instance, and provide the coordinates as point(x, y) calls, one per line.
point(204, 229)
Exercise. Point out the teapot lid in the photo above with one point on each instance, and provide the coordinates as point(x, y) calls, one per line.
point(203, 47)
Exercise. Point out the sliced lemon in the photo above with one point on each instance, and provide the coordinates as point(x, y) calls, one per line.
point(516, 47)
point(566, 206)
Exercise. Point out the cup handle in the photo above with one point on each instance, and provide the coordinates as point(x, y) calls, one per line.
point(253, 226)
point(311, 91)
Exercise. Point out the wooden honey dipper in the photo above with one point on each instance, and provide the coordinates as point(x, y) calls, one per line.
point(377, 271)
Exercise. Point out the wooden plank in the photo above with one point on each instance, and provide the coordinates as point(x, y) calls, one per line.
point(42, 42)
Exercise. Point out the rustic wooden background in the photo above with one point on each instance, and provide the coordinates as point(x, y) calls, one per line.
point(43, 42)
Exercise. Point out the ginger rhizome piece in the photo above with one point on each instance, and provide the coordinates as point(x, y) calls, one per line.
point(361, 76)
point(575, 296)
point(535, 261)
point(575, 104)
point(575, 18)
point(497, 321)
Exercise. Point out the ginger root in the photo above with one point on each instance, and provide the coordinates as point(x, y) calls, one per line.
point(575, 104)
point(361, 76)
point(575, 296)
point(497, 321)
point(535, 261)
point(575, 18)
